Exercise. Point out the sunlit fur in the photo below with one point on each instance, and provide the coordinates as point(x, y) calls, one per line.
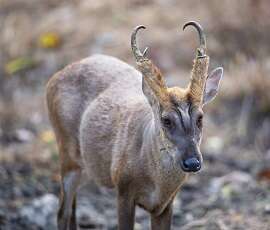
point(194, 91)
point(197, 79)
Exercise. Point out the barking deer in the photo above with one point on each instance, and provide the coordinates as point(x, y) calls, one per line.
point(127, 130)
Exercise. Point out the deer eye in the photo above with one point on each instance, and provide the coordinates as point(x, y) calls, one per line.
point(167, 122)
point(199, 122)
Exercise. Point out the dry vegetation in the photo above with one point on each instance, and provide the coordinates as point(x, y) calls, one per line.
point(40, 37)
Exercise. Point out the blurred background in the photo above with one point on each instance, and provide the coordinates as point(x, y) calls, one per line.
point(39, 37)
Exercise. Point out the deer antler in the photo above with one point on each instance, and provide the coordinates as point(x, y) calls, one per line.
point(200, 66)
point(152, 77)
point(136, 51)
point(202, 48)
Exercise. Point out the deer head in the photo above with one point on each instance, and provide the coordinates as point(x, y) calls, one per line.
point(178, 112)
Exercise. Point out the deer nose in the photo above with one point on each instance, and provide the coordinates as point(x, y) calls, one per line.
point(191, 165)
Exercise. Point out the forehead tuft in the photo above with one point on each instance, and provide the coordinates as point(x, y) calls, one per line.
point(178, 95)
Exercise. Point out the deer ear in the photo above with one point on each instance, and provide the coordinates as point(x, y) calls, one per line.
point(212, 85)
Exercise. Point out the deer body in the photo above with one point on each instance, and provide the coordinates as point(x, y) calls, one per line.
point(118, 138)
point(106, 118)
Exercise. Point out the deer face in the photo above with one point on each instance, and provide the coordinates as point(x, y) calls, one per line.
point(182, 129)
point(182, 123)
point(178, 111)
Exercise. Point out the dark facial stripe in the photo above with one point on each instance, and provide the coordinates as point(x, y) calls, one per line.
point(178, 111)
point(185, 116)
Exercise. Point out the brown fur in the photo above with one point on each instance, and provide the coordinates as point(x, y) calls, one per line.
point(178, 94)
point(155, 81)
point(193, 92)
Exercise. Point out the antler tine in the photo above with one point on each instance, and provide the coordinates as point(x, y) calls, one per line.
point(136, 51)
point(202, 48)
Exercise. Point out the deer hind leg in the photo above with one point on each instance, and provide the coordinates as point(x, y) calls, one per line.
point(66, 218)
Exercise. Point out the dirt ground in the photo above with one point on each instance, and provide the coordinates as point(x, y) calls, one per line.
point(38, 38)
